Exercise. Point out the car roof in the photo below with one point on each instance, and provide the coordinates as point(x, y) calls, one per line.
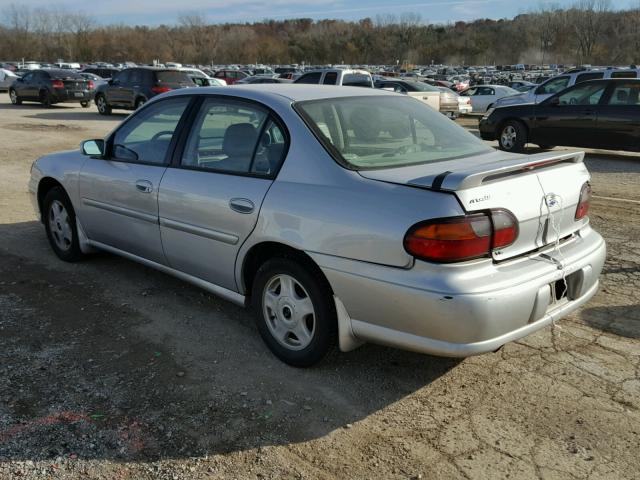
point(294, 92)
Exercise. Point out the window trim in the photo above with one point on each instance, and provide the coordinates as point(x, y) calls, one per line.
point(108, 156)
point(199, 100)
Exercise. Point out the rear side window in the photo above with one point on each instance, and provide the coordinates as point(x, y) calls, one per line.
point(146, 137)
point(584, 94)
point(171, 76)
point(234, 137)
point(583, 77)
point(310, 78)
point(627, 74)
point(330, 78)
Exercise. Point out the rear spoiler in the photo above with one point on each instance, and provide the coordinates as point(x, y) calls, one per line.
point(476, 176)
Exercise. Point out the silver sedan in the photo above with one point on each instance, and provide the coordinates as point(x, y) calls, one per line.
point(341, 215)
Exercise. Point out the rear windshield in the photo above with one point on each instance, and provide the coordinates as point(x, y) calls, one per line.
point(64, 74)
point(422, 87)
point(372, 132)
point(356, 80)
point(170, 76)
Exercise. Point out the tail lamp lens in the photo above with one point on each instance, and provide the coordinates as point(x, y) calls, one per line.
point(91, 85)
point(158, 89)
point(58, 84)
point(457, 239)
point(584, 201)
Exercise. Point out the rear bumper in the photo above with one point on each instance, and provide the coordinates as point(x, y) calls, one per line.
point(62, 96)
point(466, 309)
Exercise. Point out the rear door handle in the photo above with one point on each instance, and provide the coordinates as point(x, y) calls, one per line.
point(241, 205)
point(144, 186)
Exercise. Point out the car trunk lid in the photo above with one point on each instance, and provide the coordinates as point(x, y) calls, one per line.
point(542, 191)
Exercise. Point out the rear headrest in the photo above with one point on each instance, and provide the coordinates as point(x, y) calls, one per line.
point(239, 140)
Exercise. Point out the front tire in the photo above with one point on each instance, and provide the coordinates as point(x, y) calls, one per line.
point(60, 225)
point(294, 312)
point(102, 105)
point(512, 136)
point(84, 104)
point(13, 95)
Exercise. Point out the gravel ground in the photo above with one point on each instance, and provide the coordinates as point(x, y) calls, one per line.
point(113, 371)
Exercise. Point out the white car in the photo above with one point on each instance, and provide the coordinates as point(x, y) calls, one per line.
point(484, 96)
point(464, 102)
point(7, 77)
point(202, 79)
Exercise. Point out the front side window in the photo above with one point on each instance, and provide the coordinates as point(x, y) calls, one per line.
point(584, 94)
point(234, 137)
point(583, 77)
point(553, 86)
point(386, 132)
point(146, 137)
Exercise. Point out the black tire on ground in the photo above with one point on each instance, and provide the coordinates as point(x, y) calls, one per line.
point(55, 197)
point(324, 338)
point(84, 104)
point(15, 99)
point(140, 102)
point(45, 99)
point(512, 136)
point(103, 107)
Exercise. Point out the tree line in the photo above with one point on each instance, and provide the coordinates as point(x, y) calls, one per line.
point(590, 31)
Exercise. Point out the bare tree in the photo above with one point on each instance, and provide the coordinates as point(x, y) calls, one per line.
point(588, 18)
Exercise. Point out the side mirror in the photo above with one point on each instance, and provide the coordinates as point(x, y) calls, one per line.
point(92, 148)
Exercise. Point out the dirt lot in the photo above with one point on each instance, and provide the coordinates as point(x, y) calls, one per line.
point(110, 370)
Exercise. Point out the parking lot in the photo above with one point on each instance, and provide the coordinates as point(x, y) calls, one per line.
point(112, 370)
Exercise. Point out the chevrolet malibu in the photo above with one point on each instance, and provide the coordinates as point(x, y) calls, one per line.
point(306, 203)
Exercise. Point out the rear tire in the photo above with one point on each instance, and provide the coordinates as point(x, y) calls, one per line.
point(13, 95)
point(102, 105)
point(294, 312)
point(512, 136)
point(60, 224)
point(84, 104)
point(45, 99)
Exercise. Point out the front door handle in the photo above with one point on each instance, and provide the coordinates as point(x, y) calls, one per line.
point(241, 205)
point(144, 186)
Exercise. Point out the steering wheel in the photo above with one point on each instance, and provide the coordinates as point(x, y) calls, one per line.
point(160, 134)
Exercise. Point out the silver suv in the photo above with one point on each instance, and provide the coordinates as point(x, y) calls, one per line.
point(560, 82)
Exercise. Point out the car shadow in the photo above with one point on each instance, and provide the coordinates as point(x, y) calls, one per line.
point(109, 359)
point(621, 320)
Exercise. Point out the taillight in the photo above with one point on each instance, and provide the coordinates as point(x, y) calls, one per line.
point(457, 239)
point(57, 84)
point(158, 89)
point(91, 85)
point(583, 203)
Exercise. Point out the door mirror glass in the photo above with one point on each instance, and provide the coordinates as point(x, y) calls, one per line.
point(93, 148)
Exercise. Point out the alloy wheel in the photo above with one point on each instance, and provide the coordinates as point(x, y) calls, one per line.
point(508, 137)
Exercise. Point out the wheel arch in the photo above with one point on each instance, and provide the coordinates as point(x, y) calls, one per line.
point(261, 252)
point(44, 186)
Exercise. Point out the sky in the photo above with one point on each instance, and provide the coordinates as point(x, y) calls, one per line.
point(155, 12)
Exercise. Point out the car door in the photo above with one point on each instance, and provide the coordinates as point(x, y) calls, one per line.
point(482, 98)
point(132, 86)
point(619, 116)
point(570, 117)
point(24, 88)
point(114, 91)
point(119, 193)
point(210, 197)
